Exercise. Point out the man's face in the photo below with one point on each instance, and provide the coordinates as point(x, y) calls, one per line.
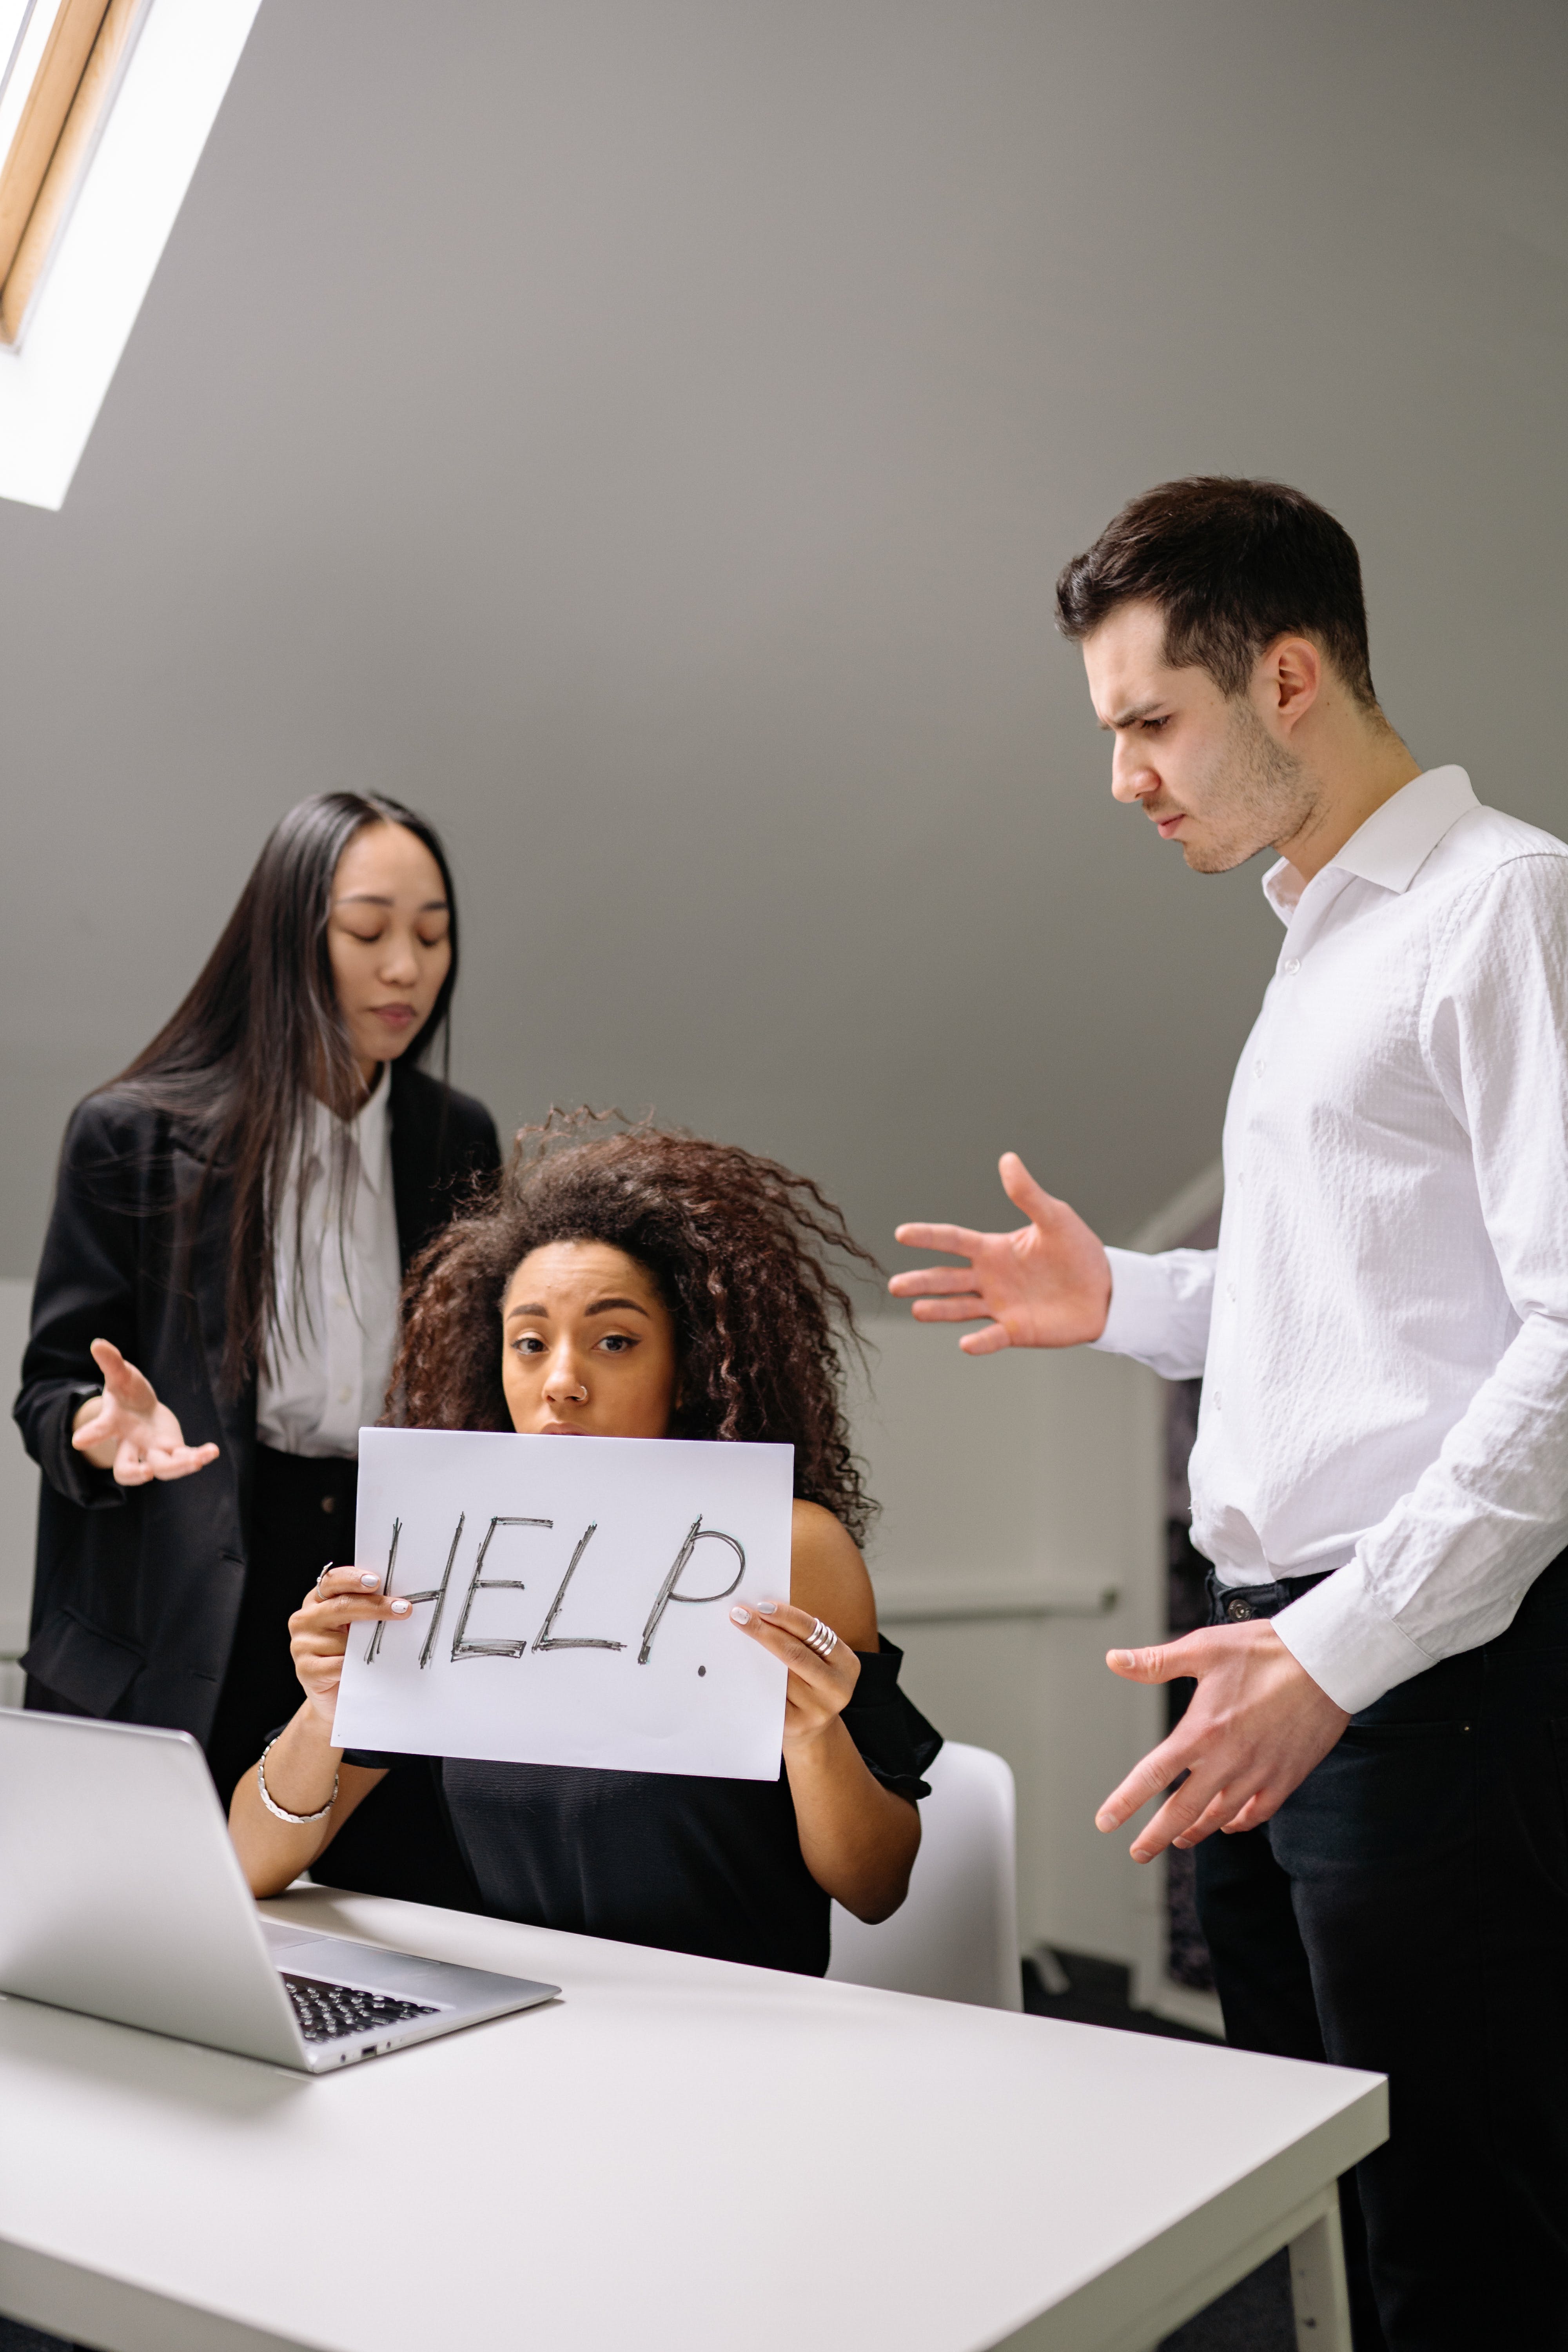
point(1209, 773)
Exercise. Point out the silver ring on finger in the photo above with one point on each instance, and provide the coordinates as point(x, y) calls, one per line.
point(821, 1638)
point(327, 1569)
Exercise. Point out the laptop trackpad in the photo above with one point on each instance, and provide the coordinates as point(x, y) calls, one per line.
point(371, 1968)
point(281, 1938)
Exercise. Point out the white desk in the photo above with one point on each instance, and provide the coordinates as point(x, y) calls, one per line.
point(678, 2157)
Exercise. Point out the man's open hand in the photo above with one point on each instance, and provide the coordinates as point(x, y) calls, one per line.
point(1255, 1726)
point(1044, 1284)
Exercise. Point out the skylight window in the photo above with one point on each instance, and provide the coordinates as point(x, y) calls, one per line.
point(105, 106)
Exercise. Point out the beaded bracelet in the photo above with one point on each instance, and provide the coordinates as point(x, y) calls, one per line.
point(275, 1809)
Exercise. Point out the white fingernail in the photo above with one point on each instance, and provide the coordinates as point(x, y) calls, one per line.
point(400, 1607)
point(767, 1607)
point(741, 1616)
point(369, 1577)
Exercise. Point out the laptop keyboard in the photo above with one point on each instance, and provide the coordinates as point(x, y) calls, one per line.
point(328, 2011)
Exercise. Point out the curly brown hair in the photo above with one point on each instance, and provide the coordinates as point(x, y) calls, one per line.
point(739, 1249)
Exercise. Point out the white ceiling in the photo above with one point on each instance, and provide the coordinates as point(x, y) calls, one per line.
point(644, 433)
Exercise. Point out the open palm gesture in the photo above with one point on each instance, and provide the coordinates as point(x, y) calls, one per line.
point(126, 1430)
point(1047, 1283)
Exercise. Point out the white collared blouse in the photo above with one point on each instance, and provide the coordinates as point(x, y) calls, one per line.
point(1383, 1329)
point(329, 1367)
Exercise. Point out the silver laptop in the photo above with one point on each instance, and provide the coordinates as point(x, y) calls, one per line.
point(121, 1895)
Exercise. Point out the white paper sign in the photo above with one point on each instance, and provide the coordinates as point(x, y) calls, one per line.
point(571, 1600)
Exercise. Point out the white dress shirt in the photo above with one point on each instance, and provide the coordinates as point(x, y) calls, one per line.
point(330, 1365)
point(1383, 1330)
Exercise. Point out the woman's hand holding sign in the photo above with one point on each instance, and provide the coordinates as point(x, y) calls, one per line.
point(319, 1630)
point(822, 1679)
point(305, 1774)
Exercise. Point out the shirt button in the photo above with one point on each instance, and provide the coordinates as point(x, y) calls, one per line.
point(1291, 964)
point(1230, 1292)
point(1237, 1609)
point(1259, 1066)
point(1215, 1400)
point(344, 1395)
point(340, 1299)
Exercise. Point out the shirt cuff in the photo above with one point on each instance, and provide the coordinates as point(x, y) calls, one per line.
point(1139, 1314)
point(1353, 1652)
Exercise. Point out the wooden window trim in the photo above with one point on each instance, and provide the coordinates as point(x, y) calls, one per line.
point(66, 107)
point(182, 63)
point(50, 102)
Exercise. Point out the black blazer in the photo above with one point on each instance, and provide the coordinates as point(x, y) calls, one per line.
point(138, 1588)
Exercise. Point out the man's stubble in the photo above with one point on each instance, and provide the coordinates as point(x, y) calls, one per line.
point(1257, 795)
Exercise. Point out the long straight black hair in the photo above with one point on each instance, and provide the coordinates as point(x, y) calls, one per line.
point(262, 1038)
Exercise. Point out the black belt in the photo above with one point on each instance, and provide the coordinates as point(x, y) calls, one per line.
point(1232, 1604)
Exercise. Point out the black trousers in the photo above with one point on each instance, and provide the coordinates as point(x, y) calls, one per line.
point(1407, 1910)
point(302, 1518)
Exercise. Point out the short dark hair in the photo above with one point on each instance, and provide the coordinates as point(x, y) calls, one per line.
point(1232, 564)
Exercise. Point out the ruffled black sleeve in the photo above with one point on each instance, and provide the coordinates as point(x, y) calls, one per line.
point(889, 1729)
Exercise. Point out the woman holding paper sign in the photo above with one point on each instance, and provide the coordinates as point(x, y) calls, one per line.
point(643, 1284)
point(217, 1305)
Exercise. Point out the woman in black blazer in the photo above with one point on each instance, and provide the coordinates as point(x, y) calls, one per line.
point(218, 1300)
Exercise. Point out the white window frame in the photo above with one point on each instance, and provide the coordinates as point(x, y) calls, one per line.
point(53, 385)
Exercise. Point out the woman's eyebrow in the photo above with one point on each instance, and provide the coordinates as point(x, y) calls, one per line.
point(600, 1306)
point(377, 899)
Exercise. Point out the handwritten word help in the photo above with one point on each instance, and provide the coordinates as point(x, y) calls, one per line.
point(563, 1601)
point(546, 1638)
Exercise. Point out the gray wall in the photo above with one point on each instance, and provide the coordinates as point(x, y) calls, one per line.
point(645, 431)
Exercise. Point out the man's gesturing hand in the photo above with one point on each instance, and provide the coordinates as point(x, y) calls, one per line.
point(1255, 1726)
point(1044, 1284)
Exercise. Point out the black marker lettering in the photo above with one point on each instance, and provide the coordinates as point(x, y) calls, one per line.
point(544, 1639)
point(438, 1594)
point(479, 1583)
point(696, 1534)
point(374, 1644)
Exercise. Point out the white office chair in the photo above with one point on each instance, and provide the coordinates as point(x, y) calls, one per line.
point(956, 1936)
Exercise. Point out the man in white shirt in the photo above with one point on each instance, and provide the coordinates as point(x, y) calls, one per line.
point(1380, 1721)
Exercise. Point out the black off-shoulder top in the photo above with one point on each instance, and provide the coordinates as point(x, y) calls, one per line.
point(687, 1863)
